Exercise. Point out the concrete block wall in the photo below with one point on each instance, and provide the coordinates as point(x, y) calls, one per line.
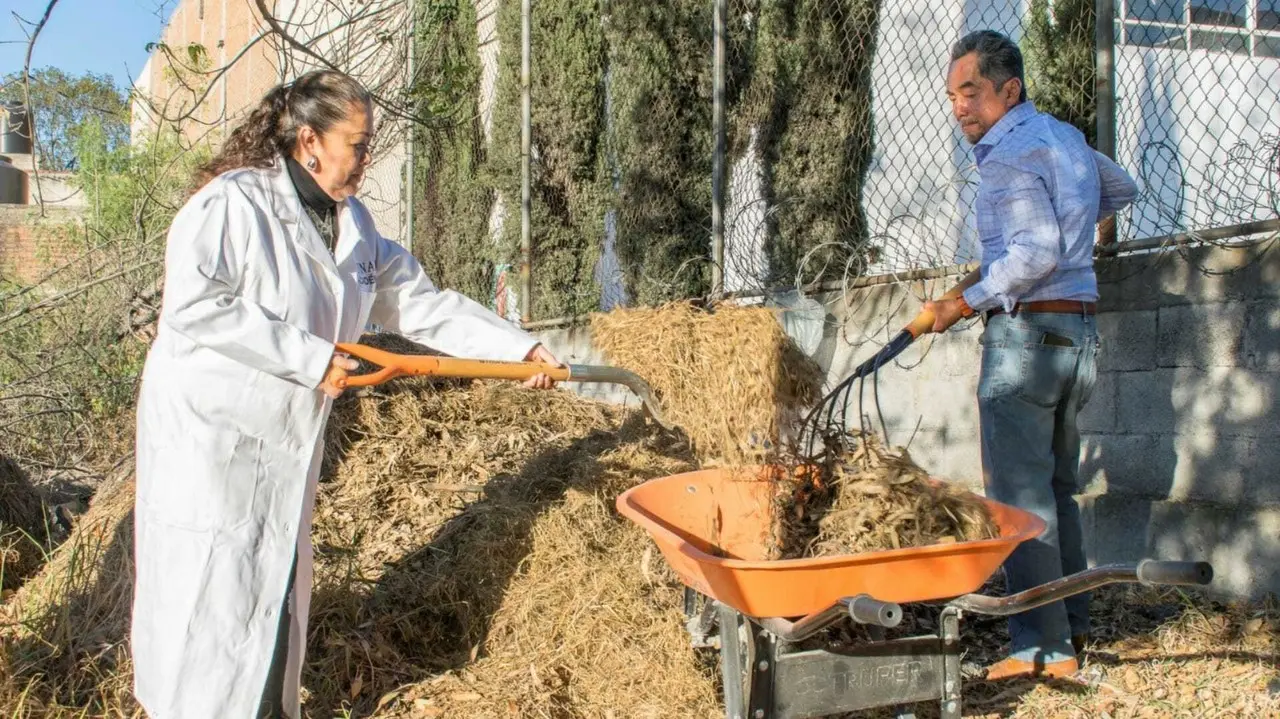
point(1181, 438)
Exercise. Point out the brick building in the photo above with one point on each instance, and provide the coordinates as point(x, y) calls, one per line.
point(31, 246)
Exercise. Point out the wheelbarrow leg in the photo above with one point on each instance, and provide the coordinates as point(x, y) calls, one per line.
point(764, 664)
point(731, 663)
point(949, 632)
point(698, 622)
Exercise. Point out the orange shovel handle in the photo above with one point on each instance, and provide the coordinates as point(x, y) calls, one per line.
point(397, 365)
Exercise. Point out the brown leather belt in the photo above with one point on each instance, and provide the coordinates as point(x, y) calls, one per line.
point(1061, 307)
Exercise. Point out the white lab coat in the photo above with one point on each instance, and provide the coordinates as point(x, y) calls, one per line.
point(230, 427)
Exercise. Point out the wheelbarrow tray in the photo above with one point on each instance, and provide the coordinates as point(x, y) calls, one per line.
point(712, 526)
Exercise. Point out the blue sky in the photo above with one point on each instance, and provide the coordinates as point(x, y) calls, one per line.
point(101, 36)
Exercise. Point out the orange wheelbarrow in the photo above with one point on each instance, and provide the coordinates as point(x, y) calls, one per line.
point(397, 365)
point(711, 527)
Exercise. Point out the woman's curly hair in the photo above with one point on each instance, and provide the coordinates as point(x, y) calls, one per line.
point(319, 99)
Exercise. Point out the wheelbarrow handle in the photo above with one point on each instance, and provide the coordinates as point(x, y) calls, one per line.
point(1148, 572)
point(1151, 571)
point(397, 365)
point(865, 609)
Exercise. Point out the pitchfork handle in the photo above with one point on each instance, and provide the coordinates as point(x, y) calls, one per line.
point(1151, 571)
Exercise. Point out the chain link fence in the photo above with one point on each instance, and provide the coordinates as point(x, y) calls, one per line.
point(1198, 114)
point(839, 157)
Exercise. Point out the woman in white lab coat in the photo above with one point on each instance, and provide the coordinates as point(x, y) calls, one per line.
point(269, 264)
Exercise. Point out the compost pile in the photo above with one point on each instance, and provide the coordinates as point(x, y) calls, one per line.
point(470, 561)
point(733, 380)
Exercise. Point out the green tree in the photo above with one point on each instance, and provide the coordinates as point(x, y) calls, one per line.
point(64, 106)
point(1059, 51)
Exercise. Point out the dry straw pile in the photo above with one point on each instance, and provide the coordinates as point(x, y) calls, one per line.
point(62, 635)
point(470, 562)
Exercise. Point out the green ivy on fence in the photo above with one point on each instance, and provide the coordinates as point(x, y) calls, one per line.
point(621, 105)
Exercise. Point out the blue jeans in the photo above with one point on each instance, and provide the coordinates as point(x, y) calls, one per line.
point(1038, 370)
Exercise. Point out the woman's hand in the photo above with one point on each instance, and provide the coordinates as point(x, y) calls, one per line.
point(541, 380)
point(339, 367)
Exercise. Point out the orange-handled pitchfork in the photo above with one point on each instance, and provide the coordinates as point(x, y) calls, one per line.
point(397, 365)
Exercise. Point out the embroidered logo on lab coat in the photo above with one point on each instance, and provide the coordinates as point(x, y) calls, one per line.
point(366, 275)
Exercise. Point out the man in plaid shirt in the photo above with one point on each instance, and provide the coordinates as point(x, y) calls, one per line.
point(1042, 191)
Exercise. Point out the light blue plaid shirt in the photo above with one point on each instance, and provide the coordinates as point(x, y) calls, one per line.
point(1042, 191)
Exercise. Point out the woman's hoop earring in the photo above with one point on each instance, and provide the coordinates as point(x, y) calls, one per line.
point(311, 163)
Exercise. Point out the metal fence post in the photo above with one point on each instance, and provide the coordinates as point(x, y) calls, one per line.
point(526, 122)
point(1105, 92)
point(718, 151)
point(409, 144)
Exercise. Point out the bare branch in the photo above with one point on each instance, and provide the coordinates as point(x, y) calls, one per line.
point(68, 294)
point(31, 111)
point(269, 18)
point(213, 81)
point(395, 110)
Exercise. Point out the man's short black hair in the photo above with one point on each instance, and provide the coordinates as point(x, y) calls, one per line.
point(999, 59)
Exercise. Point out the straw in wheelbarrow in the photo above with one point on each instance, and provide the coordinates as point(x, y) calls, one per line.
point(874, 499)
point(736, 384)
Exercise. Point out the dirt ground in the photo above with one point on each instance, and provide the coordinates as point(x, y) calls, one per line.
point(1154, 653)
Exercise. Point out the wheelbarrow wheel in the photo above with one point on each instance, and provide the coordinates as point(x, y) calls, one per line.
point(737, 656)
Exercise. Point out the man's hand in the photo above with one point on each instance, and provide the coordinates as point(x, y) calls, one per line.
point(541, 380)
point(339, 367)
point(946, 312)
point(1106, 236)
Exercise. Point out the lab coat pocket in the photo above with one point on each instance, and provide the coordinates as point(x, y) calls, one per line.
point(366, 308)
point(206, 485)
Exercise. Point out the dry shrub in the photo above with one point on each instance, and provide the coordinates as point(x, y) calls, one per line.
point(730, 378)
point(24, 533)
point(63, 646)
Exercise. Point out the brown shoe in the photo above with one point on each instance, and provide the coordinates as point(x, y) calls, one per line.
point(1079, 642)
point(1020, 669)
